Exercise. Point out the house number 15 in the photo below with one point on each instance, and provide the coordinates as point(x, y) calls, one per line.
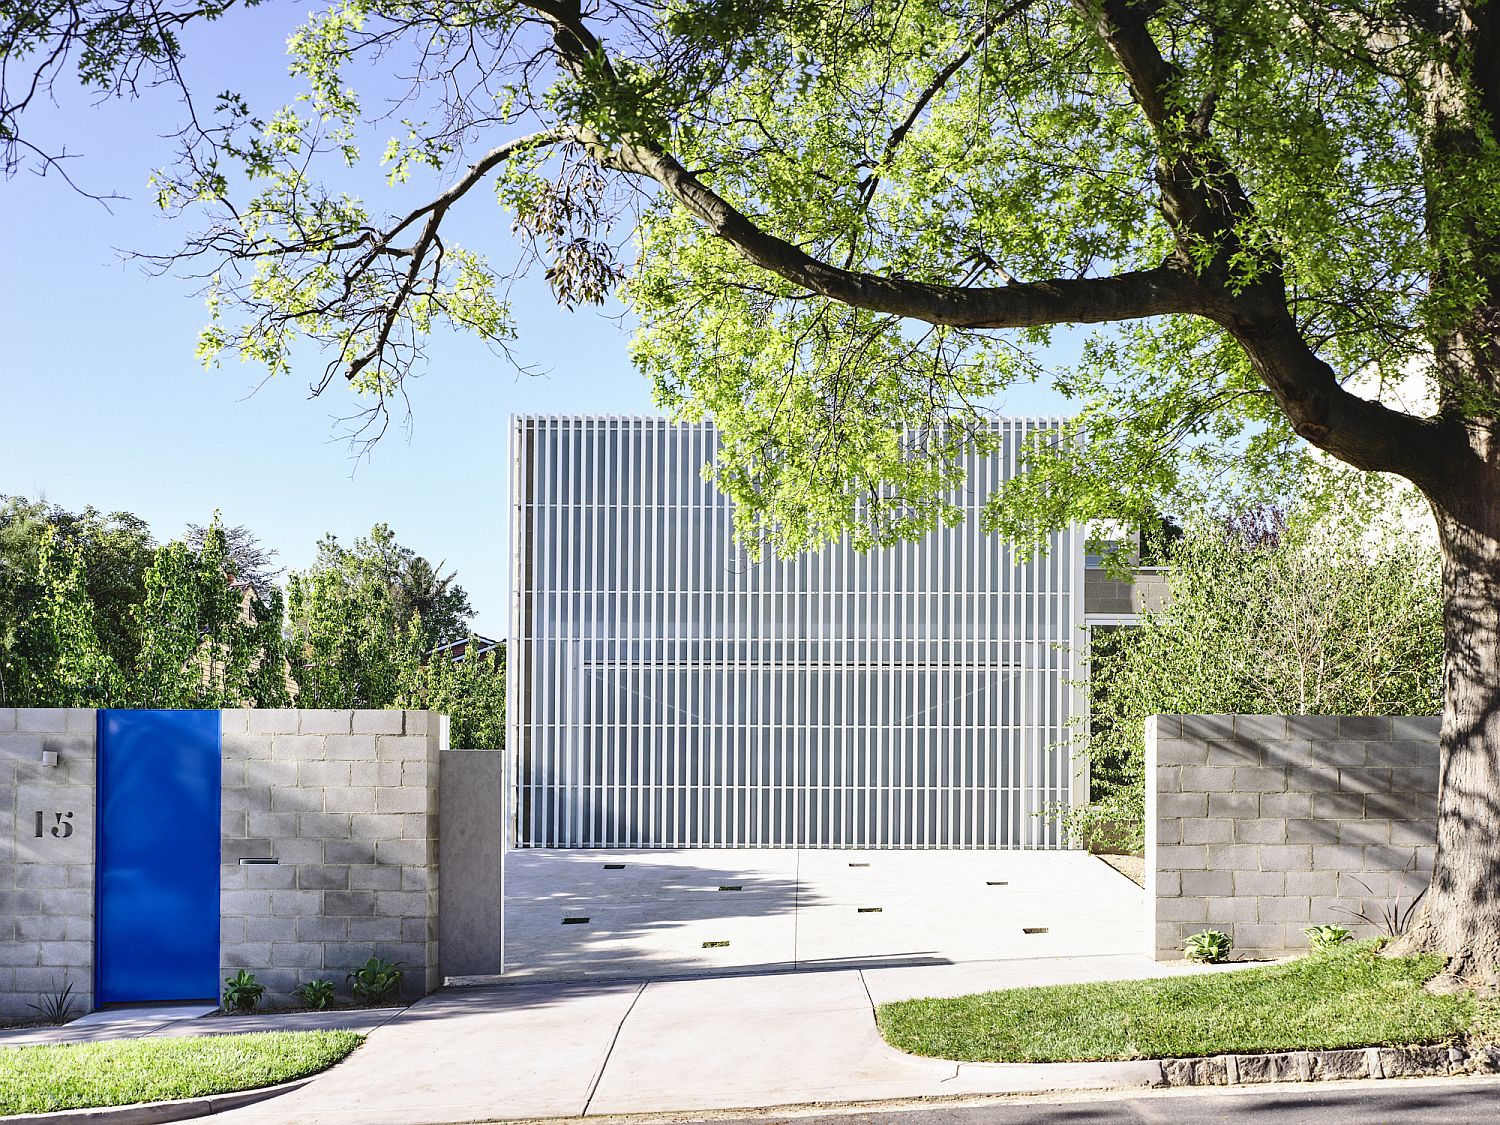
point(63, 828)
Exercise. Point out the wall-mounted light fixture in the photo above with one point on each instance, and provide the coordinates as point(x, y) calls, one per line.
point(49, 758)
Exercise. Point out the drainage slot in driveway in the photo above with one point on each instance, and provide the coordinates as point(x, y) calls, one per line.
point(996, 883)
point(859, 865)
point(715, 944)
point(574, 921)
point(614, 867)
point(1033, 929)
point(870, 909)
point(731, 888)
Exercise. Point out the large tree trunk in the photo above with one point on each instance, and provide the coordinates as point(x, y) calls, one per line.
point(1460, 914)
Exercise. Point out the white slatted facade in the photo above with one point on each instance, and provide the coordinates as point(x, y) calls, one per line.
point(663, 693)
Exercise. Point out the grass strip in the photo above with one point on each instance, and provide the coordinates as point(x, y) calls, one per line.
point(42, 1079)
point(1350, 998)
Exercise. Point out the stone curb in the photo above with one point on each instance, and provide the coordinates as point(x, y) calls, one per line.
point(150, 1113)
point(1320, 1066)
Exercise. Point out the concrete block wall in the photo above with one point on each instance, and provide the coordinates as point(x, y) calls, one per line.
point(346, 803)
point(46, 857)
point(1262, 825)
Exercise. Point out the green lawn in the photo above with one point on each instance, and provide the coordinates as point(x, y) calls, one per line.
point(1353, 998)
point(80, 1075)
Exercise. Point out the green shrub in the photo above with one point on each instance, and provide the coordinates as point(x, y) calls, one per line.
point(1326, 939)
point(376, 981)
point(315, 993)
point(242, 992)
point(1209, 947)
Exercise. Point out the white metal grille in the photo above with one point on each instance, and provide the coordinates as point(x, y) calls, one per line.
point(663, 693)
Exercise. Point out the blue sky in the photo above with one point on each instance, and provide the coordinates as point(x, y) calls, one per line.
point(102, 401)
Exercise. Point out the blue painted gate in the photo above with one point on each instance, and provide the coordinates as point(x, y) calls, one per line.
point(157, 874)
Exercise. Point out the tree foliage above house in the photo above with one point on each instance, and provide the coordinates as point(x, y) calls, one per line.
point(1268, 613)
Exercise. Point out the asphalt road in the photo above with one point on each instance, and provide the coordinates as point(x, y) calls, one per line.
point(1396, 1102)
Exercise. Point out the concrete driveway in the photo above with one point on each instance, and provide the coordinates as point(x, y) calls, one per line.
point(577, 915)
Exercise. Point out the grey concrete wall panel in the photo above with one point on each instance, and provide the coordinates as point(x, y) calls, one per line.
point(470, 856)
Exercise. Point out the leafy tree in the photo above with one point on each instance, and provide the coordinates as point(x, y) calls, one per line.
point(57, 659)
point(396, 582)
point(202, 641)
point(116, 550)
point(249, 563)
point(470, 691)
point(854, 224)
point(1265, 615)
point(345, 649)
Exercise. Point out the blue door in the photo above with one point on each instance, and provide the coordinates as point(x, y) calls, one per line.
point(157, 875)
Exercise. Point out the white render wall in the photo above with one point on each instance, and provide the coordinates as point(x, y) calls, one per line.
point(667, 693)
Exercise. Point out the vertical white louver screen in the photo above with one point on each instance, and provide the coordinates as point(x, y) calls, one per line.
point(663, 693)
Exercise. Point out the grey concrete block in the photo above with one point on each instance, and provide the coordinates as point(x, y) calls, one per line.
point(1182, 857)
point(419, 826)
point(406, 851)
point(41, 720)
point(1417, 728)
point(391, 748)
point(273, 826)
point(321, 773)
point(1261, 728)
point(1312, 831)
point(247, 800)
point(1270, 937)
point(1285, 857)
point(1207, 727)
point(1284, 908)
point(401, 904)
point(1203, 779)
point(377, 826)
point(245, 903)
point(349, 851)
point(270, 929)
point(1236, 752)
point(380, 722)
point(372, 877)
point(1167, 804)
point(1360, 832)
point(1413, 832)
point(296, 904)
point(297, 955)
point(1253, 779)
point(1182, 910)
point(7, 719)
point(1338, 806)
point(232, 851)
point(298, 851)
point(324, 722)
point(1313, 882)
point(1205, 883)
point(269, 720)
point(270, 876)
point(322, 929)
point(323, 877)
point(1367, 728)
point(1204, 831)
point(1180, 752)
point(1219, 911)
point(1316, 728)
point(352, 748)
point(351, 799)
point(420, 722)
point(1337, 857)
point(349, 903)
point(1264, 831)
point(1287, 806)
point(1234, 805)
point(1252, 884)
point(299, 747)
point(379, 929)
point(325, 826)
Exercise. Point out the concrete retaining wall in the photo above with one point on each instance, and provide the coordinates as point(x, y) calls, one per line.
point(46, 857)
point(343, 807)
point(1262, 825)
point(346, 804)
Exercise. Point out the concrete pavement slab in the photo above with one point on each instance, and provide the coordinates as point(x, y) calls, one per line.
point(472, 1054)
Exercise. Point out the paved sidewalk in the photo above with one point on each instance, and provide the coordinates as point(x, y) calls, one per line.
point(158, 1020)
point(612, 1047)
